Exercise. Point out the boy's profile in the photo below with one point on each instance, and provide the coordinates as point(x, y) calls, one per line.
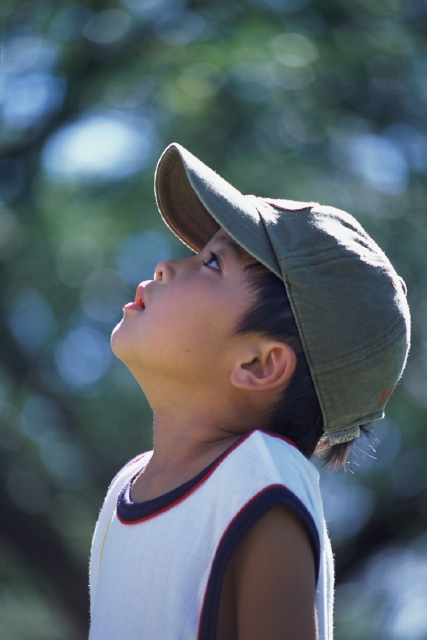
point(284, 334)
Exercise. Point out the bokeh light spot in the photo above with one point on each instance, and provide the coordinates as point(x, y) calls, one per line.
point(41, 416)
point(401, 575)
point(83, 356)
point(151, 9)
point(179, 27)
point(293, 49)
point(31, 320)
point(347, 506)
point(98, 147)
point(107, 26)
point(412, 144)
point(26, 52)
point(28, 97)
point(379, 162)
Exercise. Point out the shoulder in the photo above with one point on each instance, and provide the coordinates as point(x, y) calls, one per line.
point(266, 472)
point(278, 542)
point(271, 578)
point(274, 462)
point(287, 466)
point(275, 450)
point(280, 450)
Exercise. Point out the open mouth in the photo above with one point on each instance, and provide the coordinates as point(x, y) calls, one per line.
point(139, 301)
point(138, 304)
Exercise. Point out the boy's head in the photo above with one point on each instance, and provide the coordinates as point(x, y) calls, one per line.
point(189, 339)
point(348, 305)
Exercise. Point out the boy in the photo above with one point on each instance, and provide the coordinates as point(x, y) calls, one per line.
point(287, 323)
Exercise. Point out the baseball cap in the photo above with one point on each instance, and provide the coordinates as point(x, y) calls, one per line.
point(349, 303)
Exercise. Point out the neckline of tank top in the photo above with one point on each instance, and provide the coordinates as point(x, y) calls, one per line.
point(129, 512)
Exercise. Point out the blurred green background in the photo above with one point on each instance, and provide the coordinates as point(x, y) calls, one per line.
point(322, 100)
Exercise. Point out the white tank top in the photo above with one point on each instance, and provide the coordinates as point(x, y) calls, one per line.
point(157, 567)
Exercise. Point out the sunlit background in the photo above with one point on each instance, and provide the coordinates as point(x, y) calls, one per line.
point(323, 100)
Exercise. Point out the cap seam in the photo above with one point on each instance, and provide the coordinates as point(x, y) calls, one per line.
point(327, 256)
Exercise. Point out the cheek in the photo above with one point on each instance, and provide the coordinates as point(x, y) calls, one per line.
point(192, 324)
point(191, 334)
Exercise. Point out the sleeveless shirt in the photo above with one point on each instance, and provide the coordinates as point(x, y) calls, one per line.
point(157, 567)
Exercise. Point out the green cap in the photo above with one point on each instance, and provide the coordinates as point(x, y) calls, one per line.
point(349, 303)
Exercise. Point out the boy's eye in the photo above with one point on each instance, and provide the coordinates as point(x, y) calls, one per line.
point(213, 262)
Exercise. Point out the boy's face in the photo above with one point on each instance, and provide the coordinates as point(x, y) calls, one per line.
point(182, 324)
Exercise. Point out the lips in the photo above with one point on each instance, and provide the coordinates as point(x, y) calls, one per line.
point(139, 296)
point(138, 303)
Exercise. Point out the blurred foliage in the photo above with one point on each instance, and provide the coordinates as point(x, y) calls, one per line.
point(322, 100)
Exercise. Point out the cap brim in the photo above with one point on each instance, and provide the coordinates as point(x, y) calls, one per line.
point(180, 207)
point(195, 202)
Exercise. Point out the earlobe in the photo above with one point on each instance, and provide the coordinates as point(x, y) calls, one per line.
point(272, 366)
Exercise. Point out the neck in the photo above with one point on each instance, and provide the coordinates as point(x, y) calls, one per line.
point(191, 429)
point(195, 417)
point(182, 436)
point(184, 445)
point(190, 423)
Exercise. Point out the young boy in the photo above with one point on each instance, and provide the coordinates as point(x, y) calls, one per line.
point(287, 326)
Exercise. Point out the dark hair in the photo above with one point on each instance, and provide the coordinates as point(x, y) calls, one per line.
point(297, 414)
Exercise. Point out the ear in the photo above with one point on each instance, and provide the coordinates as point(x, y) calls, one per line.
point(268, 365)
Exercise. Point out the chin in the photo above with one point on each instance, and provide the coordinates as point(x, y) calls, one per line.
point(123, 344)
point(117, 341)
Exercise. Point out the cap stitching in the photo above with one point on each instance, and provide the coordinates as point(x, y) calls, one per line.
point(328, 255)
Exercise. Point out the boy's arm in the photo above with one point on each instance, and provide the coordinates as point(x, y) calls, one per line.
point(271, 581)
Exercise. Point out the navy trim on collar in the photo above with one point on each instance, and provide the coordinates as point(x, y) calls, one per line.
point(129, 512)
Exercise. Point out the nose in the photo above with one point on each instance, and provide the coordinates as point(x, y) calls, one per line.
point(165, 270)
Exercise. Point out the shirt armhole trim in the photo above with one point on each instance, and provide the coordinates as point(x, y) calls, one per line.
point(262, 502)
